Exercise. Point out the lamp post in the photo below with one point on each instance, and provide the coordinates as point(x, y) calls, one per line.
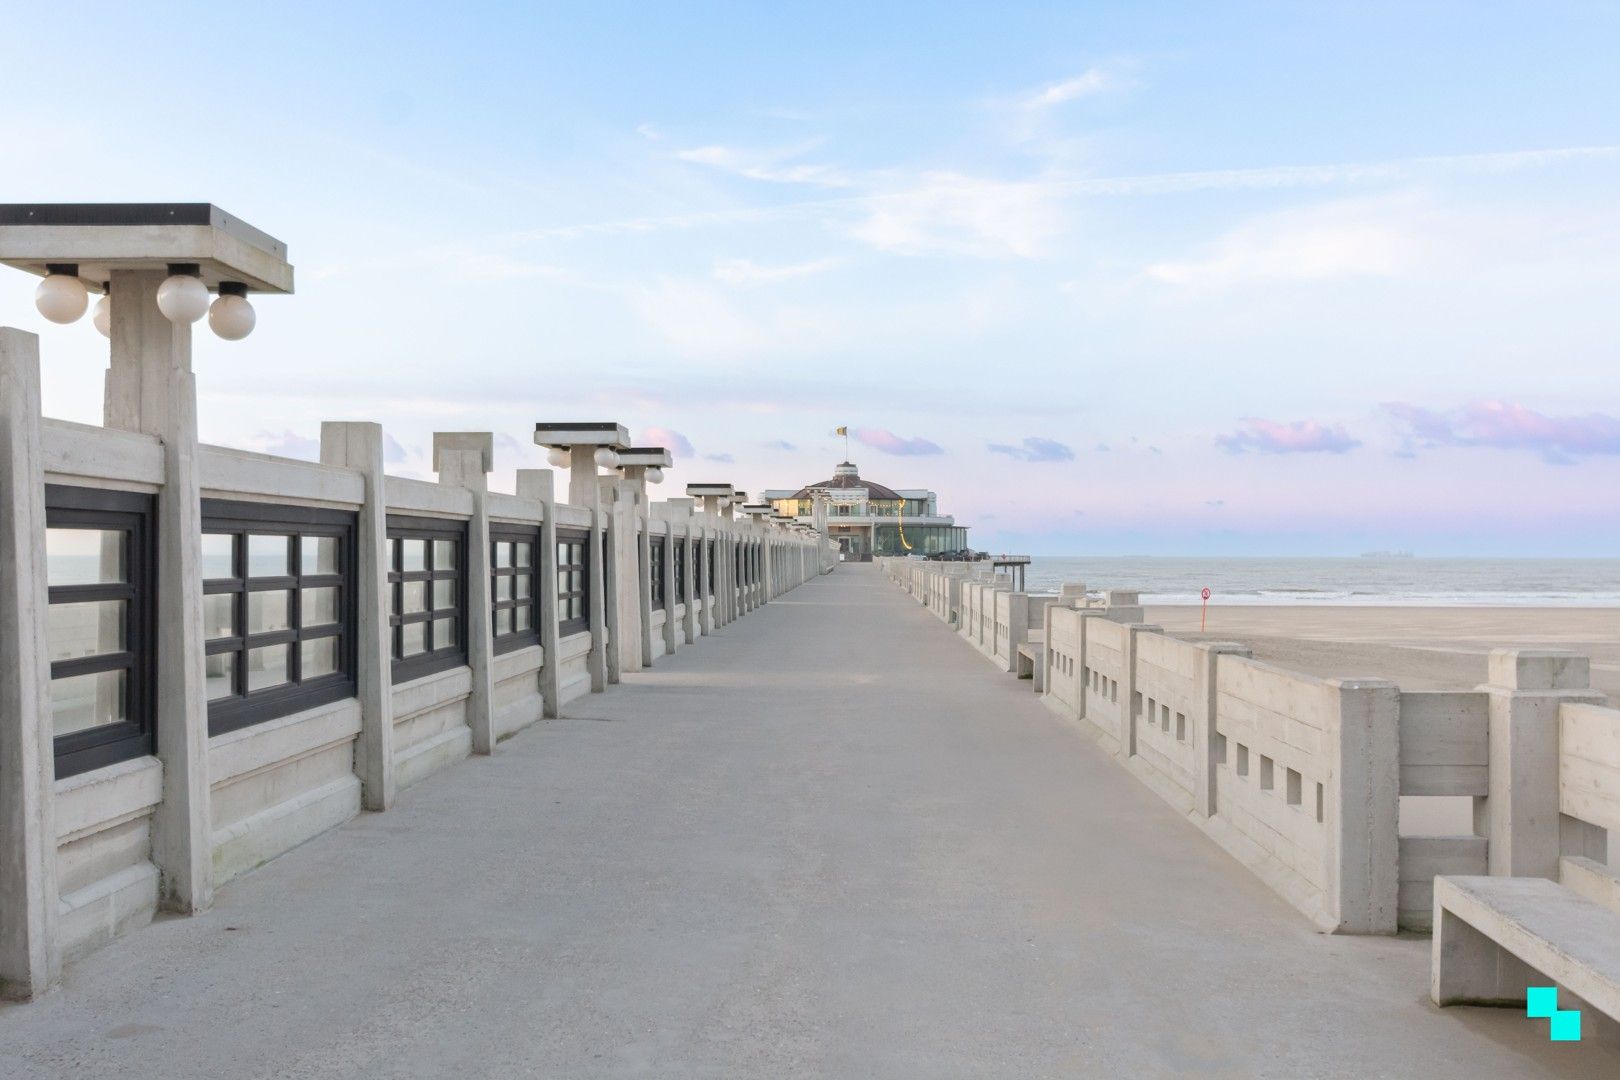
point(582, 447)
point(154, 265)
point(640, 465)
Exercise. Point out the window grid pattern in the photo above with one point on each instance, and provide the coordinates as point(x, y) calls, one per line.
point(101, 588)
point(573, 581)
point(427, 584)
point(514, 561)
point(655, 573)
point(278, 610)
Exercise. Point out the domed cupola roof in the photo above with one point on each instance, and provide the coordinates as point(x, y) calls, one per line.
point(847, 476)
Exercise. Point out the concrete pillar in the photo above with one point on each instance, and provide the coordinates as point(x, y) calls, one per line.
point(537, 485)
point(584, 492)
point(150, 389)
point(465, 459)
point(615, 544)
point(1363, 858)
point(666, 529)
point(1520, 814)
point(29, 956)
point(635, 608)
point(1203, 721)
point(680, 512)
point(359, 446)
point(705, 578)
point(1128, 692)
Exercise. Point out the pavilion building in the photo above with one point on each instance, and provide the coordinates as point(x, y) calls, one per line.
point(867, 518)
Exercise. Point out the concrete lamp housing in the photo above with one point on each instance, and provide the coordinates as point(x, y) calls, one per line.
point(652, 460)
point(196, 247)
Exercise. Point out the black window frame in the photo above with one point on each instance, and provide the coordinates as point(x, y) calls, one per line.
point(682, 595)
point(224, 517)
point(655, 571)
point(573, 624)
point(709, 581)
point(510, 533)
point(436, 658)
point(135, 514)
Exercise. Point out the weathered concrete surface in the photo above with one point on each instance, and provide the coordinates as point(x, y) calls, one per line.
point(832, 843)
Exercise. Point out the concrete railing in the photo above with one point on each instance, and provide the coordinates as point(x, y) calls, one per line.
point(184, 803)
point(1303, 779)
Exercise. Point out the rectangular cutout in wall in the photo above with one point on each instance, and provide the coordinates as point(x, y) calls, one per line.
point(1243, 760)
point(1295, 788)
point(1136, 704)
point(1181, 727)
point(1268, 778)
point(1319, 803)
point(1220, 749)
point(1164, 717)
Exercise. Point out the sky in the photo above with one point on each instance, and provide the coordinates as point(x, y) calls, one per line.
point(1111, 278)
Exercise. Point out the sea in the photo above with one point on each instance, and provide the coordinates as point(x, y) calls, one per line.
point(1368, 581)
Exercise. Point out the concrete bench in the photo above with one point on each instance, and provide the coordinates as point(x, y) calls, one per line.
point(1494, 936)
point(1032, 662)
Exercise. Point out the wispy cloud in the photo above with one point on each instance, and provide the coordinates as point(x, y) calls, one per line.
point(1035, 448)
point(776, 165)
point(1504, 425)
point(1088, 83)
point(1298, 437)
point(724, 459)
point(888, 442)
point(677, 444)
point(746, 272)
point(780, 444)
point(949, 213)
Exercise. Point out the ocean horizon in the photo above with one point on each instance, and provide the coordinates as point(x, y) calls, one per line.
point(1397, 581)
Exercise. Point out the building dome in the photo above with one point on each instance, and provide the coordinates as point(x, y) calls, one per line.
point(846, 476)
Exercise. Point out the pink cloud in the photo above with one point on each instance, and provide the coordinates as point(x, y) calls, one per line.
point(1504, 425)
point(889, 443)
point(677, 444)
point(1277, 437)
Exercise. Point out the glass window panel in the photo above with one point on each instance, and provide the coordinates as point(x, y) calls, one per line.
point(562, 580)
point(413, 637)
point(82, 702)
point(318, 607)
point(413, 554)
point(218, 550)
point(523, 618)
point(522, 553)
point(94, 628)
point(444, 594)
point(219, 672)
point(84, 556)
point(267, 667)
point(503, 553)
point(268, 611)
point(520, 586)
point(319, 554)
point(444, 633)
point(503, 587)
point(267, 556)
point(319, 657)
point(444, 554)
point(219, 615)
point(415, 597)
point(503, 621)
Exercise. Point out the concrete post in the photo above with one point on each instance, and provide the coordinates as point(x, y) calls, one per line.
point(666, 529)
point(705, 579)
point(1363, 858)
point(150, 389)
point(584, 492)
point(1521, 812)
point(1128, 692)
point(29, 956)
point(680, 511)
point(615, 543)
point(1205, 676)
point(359, 446)
point(465, 459)
point(537, 484)
point(636, 606)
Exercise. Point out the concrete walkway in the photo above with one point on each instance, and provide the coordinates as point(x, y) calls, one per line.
point(831, 842)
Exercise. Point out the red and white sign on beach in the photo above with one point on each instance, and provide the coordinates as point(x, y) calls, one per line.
point(1203, 616)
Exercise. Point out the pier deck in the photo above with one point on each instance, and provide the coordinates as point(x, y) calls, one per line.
point(831, 842)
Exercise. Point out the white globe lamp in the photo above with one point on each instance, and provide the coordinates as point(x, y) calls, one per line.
point(182, 297)
point(655, 475)
point(559, 457)
point(606, 458)
point(62, 297)
point(102, 316)
point(231, 316)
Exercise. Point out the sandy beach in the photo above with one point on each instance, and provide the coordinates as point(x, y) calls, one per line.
point(1419, 648)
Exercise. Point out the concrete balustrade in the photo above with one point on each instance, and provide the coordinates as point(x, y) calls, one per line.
point(89, 856)
point(1301, 778)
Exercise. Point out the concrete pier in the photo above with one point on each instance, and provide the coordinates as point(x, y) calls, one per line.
point(828, 844)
